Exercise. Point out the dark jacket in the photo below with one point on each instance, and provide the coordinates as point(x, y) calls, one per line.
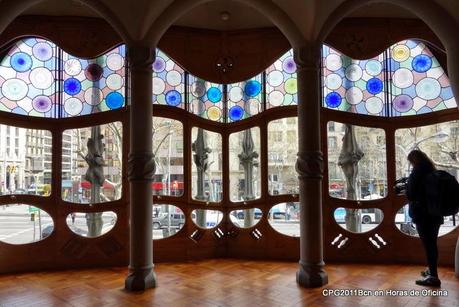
point(416, 194)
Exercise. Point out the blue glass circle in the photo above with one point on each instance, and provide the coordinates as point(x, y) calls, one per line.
point(114, 100)
point(421, 63)
point(252, 88)
point(173, 98)
point(236, 113)
point(214, 94)
point(21, 61)
point(374, 86)
point(333, 99)
point(72, 86)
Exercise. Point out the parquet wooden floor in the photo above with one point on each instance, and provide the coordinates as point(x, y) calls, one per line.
point(225, 282)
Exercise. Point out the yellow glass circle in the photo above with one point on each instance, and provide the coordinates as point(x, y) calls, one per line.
point(214, 113)
point(291, 86)
point(400, 53)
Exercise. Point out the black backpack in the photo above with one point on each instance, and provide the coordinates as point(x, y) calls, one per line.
point(442, 191)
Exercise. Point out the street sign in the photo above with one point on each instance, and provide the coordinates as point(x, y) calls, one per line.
point(33, 209)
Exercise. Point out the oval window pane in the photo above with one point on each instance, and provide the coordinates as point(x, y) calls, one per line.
point(102, 183)
point(167, 220)
point(358, 220)
point(206, 218)
point(23, 224)
point(245, 218)
point(285, 218)
point(92, 224)
point(406, 226)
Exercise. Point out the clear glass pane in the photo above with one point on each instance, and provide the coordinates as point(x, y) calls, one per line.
point(168, 151)
point(439, 142)
point(102, 182)
point(281, 82)
point(25, 161)
point(206, 99)
point(167, 220)
point(356, 162)
point(22, 224)
point(245, 218)
point(358, 220)
point(206, 218)
point(285, 218)
point(245, 172)
point(207, 165)
point(282, 154)
point(91, 225)
point(405, 224)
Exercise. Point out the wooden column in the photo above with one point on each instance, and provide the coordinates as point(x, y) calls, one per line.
point(309, 166)
point(141, 168)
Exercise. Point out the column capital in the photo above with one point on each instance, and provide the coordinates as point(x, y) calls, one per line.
point(310, 164)
point(141, 166)
point(308, 57)
point(140, 57)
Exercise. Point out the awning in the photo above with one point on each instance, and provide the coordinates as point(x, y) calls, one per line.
point(87, 185)
point(175, 185)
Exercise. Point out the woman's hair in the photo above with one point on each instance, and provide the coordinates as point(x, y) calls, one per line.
point(418, 158)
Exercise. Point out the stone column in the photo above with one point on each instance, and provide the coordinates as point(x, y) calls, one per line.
point(309, 166)
point(141, 168)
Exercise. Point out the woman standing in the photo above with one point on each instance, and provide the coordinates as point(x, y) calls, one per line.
point(427, 225)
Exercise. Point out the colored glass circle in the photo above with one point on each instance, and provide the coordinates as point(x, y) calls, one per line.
point(42, 104)
point(290, 86)
point(72, 86)
point(93, 72)
point(400, 53)
point(333, 81)
point(114, 100)
point(428, 88)
point(93, 96)
point(402, 78)
point(236, 113)
point(373, 67)
point(354, 95)
point(214, 113)
point(353, 72)
point(115, 61)
point(42, 51)
point(21, 61)
point(72, 67)
point(252, 88)
point(276, 98)
point(421, 63)
point(174, 78)
point(403, 103)
point(14, 89)
point(114, 82)
point(158, 86)
point(289, 65)
point(73, 106)
point(41, 78)
point(159, 64)
point(235, 94)
point(275, 78)
point(333, 100)
point(374, 105)
point(214, 94)
point(173, 98)
point(333, 62)
point(374, 86)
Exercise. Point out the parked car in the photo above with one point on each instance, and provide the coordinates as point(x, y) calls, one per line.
point(171, 219)
point(257, 214)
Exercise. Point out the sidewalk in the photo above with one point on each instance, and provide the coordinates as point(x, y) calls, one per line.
point(14, 210)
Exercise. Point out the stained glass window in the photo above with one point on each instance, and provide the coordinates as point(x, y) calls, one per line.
point(281, 83)
point(93, 85)
point(244, 99)
point(168, 81)
point(28, 78)
point(419, 84)
point(355, 86)
point(206, 99)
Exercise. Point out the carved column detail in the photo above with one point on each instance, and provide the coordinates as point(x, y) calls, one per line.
point(141, 168)
point(309, 166)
